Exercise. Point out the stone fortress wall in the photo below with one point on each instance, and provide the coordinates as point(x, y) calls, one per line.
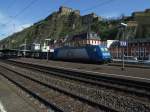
point(143, 21)
point(65, 10)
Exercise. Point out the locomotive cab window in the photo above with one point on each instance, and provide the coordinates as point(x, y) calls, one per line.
point(106, 49)
point(102, 49)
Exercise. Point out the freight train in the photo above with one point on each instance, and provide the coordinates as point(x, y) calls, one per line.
point(83, 47)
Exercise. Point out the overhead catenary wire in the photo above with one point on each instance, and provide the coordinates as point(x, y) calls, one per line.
point(27, 7)
point(11, 4)
point(98, 5)
point(8, 7)
point(19, 13)
point(22, 11)
point(64, 2)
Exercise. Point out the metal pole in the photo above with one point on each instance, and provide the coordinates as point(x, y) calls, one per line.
point(139, 49)
point(25, 48)
point(47, 48)
point(123, 49)
point(123, 58)
point(117, 51)
point(47, 54)
point(127, 48)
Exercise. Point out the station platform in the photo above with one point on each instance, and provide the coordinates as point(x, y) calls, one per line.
point(10, 101)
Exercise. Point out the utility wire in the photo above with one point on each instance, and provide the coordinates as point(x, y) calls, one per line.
point(98, 5)
point(11, 4)
point(65, 1)
point(22, 11)
point(25, 8)
point(54, 7)
point(8, 8)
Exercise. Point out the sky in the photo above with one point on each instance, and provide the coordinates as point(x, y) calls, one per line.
point(15, 15)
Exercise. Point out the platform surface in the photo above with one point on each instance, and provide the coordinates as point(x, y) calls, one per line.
point(10, 101)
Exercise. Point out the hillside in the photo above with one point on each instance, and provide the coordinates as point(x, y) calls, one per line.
point(59, 24)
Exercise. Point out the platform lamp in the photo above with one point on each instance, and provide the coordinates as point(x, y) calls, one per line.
point(123, 44)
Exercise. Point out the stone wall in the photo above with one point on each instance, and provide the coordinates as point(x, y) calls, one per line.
point(89, 18)
point(143, 20)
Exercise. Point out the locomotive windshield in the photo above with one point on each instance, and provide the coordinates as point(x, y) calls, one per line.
point(104, 49)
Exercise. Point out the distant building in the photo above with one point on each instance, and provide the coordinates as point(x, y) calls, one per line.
point(83, 39)
point(138, 48)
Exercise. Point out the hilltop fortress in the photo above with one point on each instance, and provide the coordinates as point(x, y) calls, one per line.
point(65, 11)
point(140, 20)
point(143, 21)
point(67, 21)
point(86, 18)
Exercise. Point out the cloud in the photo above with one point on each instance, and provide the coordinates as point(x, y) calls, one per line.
point(8, 25)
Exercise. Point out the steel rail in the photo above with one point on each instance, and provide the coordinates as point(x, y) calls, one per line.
point(83, 99)
point(129, 86)
point(34, 95)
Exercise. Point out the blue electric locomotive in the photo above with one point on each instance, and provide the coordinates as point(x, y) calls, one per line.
point(83, 47)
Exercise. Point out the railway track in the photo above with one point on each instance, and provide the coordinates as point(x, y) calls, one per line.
point(55, 98)
point(140, 90)
point(126, 85)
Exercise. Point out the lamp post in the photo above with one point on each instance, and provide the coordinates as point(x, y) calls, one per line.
point(123, 50)
point(123, 43)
